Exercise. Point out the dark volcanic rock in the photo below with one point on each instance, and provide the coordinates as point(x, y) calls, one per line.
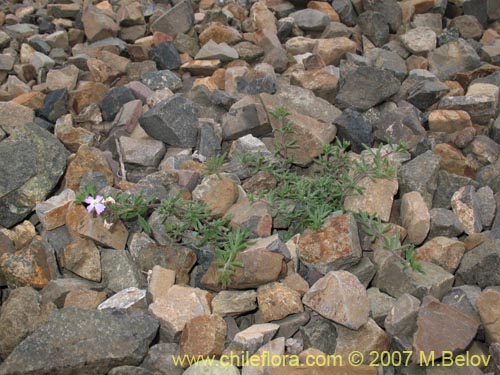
point(55, 105)
point(114, 100)
point(84, 342)
point(173, 121)
point(166, 56)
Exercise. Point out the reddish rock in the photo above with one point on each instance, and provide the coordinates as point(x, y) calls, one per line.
point(82, 257)
point(488, 306)
point(84, 298)
point(277, 301)
point(33, 100)
point(442, 251)
point(448, 121)
point(334, 49)
point(324, 8)
point(94, 228)
point(415, 217)
point(220, 33)
point(87, 94)
point(204, 336)
point(256, 216)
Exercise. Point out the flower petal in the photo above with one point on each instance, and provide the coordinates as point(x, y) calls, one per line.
point(89, 199)
point(99, 208)
point(99, 198)
point(90, 208)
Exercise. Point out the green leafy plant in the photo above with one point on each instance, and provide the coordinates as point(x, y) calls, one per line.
point(281, 134)
point(87, 191)
point(236, 241)
point(214, 164)
point(129, 207)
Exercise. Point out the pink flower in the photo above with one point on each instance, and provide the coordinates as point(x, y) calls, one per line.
point(95, 204)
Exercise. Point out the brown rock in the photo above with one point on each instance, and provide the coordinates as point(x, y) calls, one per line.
point(82, 257)
point(262, 18)
point(297, 283)
point(52, 212)
point(415, 217)
point(442, 251)
point(201, 67)
point(324, 8)
point(33, 100)
point(441, 328)
point(367, 339)
point(332, 248)
point(488, 305)
point(320, 82)
point(84, 299)
point(87, 94)
point(160, 282)
point(448, 121)
point(64, 78)
point(72, 137)
point(262, 181)
point(94, 228)
point(204, 336)
point(234, 302)
point(23, 234)
point(221, 196)
point(255, 336)
point(98, 24)
point(334, 49)
point(339, 296)
point(421, 6)
point(74, 216)
point(466, 206)
point(277, 301)
point(220, 33)
point(87, 159)
point(33, 266)
point(102, 72)
point(178, 307)
point(259, 267)
point(453, 161)
point(256, 216)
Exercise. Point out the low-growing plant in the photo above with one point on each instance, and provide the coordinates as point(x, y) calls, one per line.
point(214, 164)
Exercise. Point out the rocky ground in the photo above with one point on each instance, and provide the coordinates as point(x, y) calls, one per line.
point(162, 102)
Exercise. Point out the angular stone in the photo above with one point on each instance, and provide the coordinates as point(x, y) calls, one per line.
point(368, 339)
point(22, 313)
point(444, 223)
point(420, 40)
point(84, 299)
point(88, 94)
point(465, 204)
point(119, 271)
point(468, 26)
point(479, 266)
point(122, 339)
point(176, 20)
point(173, 121)
point(363, 88)
point(339, 296)
point(334, 49)
point(126, 299)
point(401, 320)
point(220, 33)
point(62, 78)
point(394, 279)
point(255, 336)
point(488, 305)
point(72, 137)
point(94, 228)
point(454, 57)
point(166, 56)
point(82, 257)
point(448, 121)
point(375, 27)
point(442, 251)
point(98, 24)
point(320, 82)
point(487, 205)
point(256, 216)
point(442, 328)
point(310, 19)
point(259, 267)
point(332, 248)
point(160, 282)
point(203, 336)
point(113, 101)
point(481, 108)
point(380, 305)
point(52, 212)
point(212, 50)
point(415, 217)
point(219, 197)
point(178, 307)
point(234, 303)
point(277, 301)
point(247, 116)
point(145, 152)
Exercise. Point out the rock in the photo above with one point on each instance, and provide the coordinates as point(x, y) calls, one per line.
point(72, 137)
point(394, 279)
point(212, 50)
point(401, 320)
point(83, 259)
point(334, 49)
point(98, 24)
point(481, 108)
point(420, 40)
point(485, 149)
point(426, 93)
point(276, 301)
point(219, 197)
point(363, 89)
point(173, 121)
point(346, 12)
point(464, 298)
point(451, 58)
point(375, 27)
point(442, 328)
point(126, 299)
point(119, 271)
point(444, 223)
point(319, 334)
point(388, 60)
point(211, 367)
point(259, 267)
point(442, 251)
point(468, 26)
point(160, 359)
point(145, 152)
point(332, 248)
point(84, 299)
point(166, 56)
point(94, 228)
point(390, 9)
point(160, 282)
point(380, 305)
point(255, 336)
point(64, 78)
point(102, 72)
point(88, 94)
point(324, 8)
point(448, 121)
point(487, 305)
point(122, 339)
point(420, 174)
point(368, 339)
point(310, 19)
point(55, 105)
point(255, 216)
point(113, 101)
point(52, 212)
point(274, 348)
point(22, 313)
point(14, 116)
point(320, 82)
point(415, 217)
point(178, 307)
point(234, 303)
point(220, 34)
point(466, 206)
point(204, 336)
point(129, 370)
point(176, 20)
point(350, 307)
point(487, 205)
point(478, 266)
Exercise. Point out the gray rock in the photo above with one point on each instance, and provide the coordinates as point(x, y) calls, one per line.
point(481, 108)
point(107, 340)
point(346, 12)
point(487, 205)
point(247, 116)
point(354, 127)
point(129, 370)
point(463, 298)
point(336, 30)
point(211, 368)
point(389, 8)
point(380, 305)
point(401, 321)
point(57, 290)
point(163, 79)
point(364, 271)
point(119, 271)
point(493, 9)
point(374, 25)
point(40, 162)
point(310, 19)
point(451, 58)
point(468, 26)
point(55, 105)
point(447, 185)
point(166, 56)
point(366, 87)
point(291, 324)
point(177, 20)
point(145, 152)
point(210, 140)
point(320, 334)
point(434, 21)
point(387, 60)
point(489, 175)
point(420, 174)
point(479, 266)
point(419, 41)
point(160, 359)
point(173, 121)
point(444, 223)
point(425, 93)
point(212, 50)
point(114, 100)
